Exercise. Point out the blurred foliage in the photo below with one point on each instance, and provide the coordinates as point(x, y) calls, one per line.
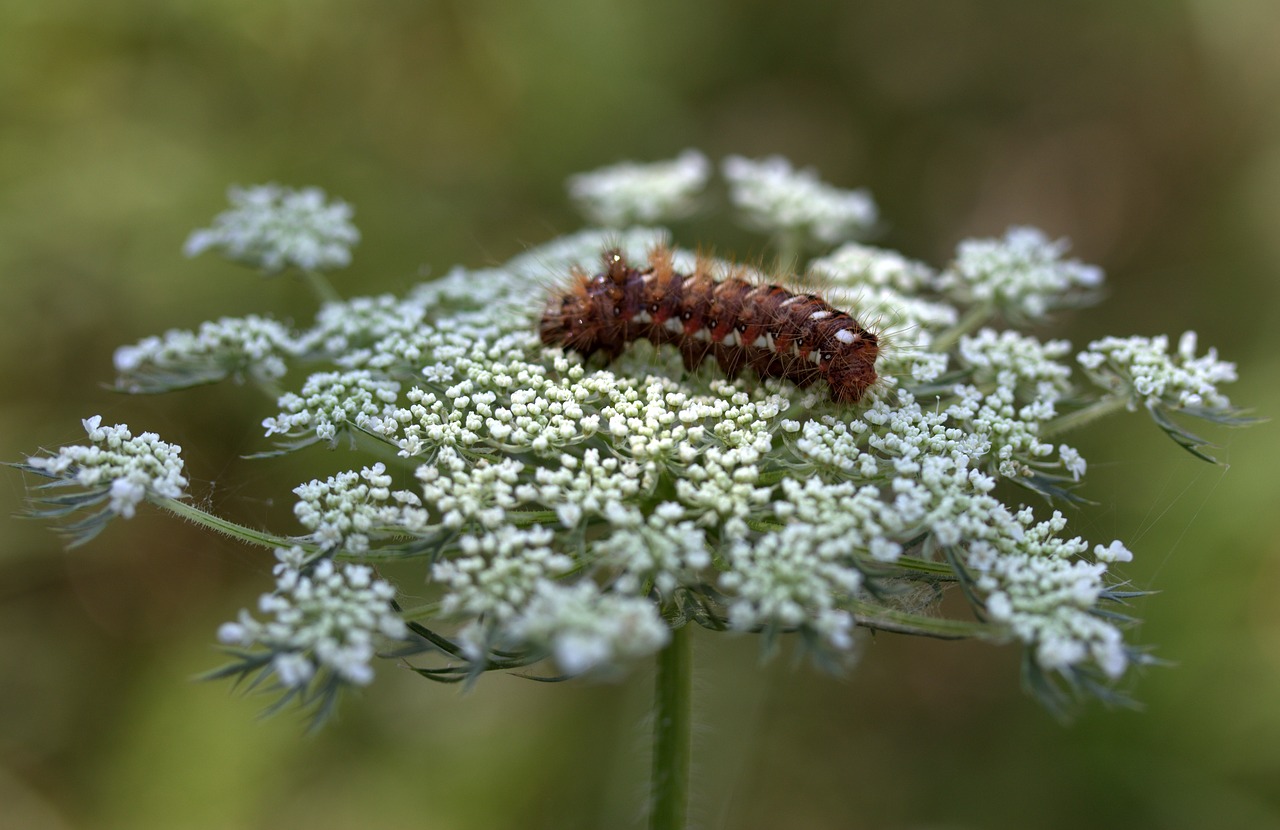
point(1148, 132)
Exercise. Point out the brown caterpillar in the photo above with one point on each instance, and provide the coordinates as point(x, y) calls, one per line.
point(778, 333)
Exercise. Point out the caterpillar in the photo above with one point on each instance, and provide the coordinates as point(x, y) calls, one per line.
point(775, 332)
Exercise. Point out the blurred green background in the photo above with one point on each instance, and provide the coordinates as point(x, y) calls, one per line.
point(1148, 132)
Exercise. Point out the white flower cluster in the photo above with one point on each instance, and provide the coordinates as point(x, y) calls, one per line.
point(344, 331)
point(326, 617)
point(696, 471)
point(1016, 361)
point(662, 549)
point(1143, 368)
point(494, 575)
point(1048, 598)
point(129, 468)
point(330, 401)
point(462, 491)
point(579, 510)
point(273, 227)
point(231, 346)
point(627, 193)
point(585, 628)
point(864, 265)
point(347, 509)
point(1023, 274)
point(775, 197)
point(791, 578)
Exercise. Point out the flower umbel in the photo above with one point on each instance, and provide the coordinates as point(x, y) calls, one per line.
point(1143, 368)
point(116, 467)
point(273, 228)
point(326, 621)
point(1023, 275)
point(626, 193)
point(565, 511)
point(776, 198)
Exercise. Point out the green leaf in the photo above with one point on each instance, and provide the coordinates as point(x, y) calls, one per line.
point(284, 448)
point(1189, 441)
point(1228, 417)
point(1053, 487)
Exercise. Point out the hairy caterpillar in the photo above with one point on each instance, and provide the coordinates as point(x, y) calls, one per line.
point(777, 333)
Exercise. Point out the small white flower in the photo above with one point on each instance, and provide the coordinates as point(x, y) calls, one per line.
point(438, 373)
point(1072, 461)
point(293, 668)
point(1115, 552)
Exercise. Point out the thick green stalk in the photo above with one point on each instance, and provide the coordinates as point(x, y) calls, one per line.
point(669, 798)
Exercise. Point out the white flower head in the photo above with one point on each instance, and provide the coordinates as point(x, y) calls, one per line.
point(253, 347)
point(1144, 368)
point(273, 227)
point(774, 197)
point(585, 628)
point(348, 509)
point(630, 193)
point(332, 401)
point(862, 265)
point(130, 468)
point(328, 617)
point(1115, 552)
point(1023, 274)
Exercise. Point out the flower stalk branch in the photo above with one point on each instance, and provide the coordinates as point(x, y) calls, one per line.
point(1084, 416)
point(320, 286)
point(969, 323)
point(224, 526)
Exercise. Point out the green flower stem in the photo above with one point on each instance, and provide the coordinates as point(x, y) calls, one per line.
point(235, 531)
point(272, 390)
point(879, 618)
point(921, 566)
point(321, 286)
point(790, 246)
point(972, 318)
point(669, 799)
point(1092, 412)
point(427, 611)
point(379, 447)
